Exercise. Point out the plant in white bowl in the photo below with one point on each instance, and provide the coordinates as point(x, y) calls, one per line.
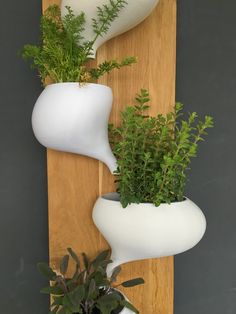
point(89, 290)
point(150, 216)
point(72, 112)
point(133, 14)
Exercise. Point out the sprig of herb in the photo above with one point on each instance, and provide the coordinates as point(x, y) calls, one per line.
point(108, 66)
point(106, 15)
point(154, 152)
point(88, 290)
point(63, 53)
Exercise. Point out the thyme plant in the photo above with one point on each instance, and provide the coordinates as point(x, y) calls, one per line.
point(88, 290)
point(63, 53)
point(154, 152)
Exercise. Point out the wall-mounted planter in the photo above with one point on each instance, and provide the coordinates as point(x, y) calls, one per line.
point(143, 231)
point(130, 16)
point(73, 118)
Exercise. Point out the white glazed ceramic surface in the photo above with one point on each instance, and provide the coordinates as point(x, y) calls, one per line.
point(131, 15)
point(143, 231)
point(74, 118)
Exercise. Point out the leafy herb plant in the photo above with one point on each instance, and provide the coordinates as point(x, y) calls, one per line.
point(154, 152)
point(88, 290)
point(63, 53)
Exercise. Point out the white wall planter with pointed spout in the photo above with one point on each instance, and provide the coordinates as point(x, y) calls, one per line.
point(73, 118)
point(143, 231)
point(130, 16)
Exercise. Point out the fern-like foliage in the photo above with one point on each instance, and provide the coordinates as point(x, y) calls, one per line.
point(108, 66)
point(63, 53)
point(106, 15)
point(154, 152)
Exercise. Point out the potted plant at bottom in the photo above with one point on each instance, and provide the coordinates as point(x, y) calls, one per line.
point(150, 216)
point(72, 113)
point(89, 290)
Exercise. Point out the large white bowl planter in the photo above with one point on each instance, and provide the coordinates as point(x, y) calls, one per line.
point(143, 231)
point(130, 16)
point(73, 118)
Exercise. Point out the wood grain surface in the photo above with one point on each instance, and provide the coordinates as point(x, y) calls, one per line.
point(75, 182)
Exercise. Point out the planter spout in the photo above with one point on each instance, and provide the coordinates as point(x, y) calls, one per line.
point(109, 159)
point(74, 118)
point(131, 15)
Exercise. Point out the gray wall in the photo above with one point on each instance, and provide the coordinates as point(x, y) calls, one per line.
point(205, 279)
point(23, 198)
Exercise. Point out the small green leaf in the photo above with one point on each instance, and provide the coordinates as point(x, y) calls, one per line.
point(46, 271)
point(108, 298)
point(57, 301)
point(133, 282)
point(104, 264)
point(67, 302)
point(85, 260)
point(115, 273)
point(100, 258)
point(100, 278)
point(106, 304)
point(92, 288)
point(76, 273)
point(129, 306)
point(64, 264)
point(77, 295)
point(74, 256)
point(52, 290)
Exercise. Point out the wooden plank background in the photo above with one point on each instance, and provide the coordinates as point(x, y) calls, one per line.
point(75, 182)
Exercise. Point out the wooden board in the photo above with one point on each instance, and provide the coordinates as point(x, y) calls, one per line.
point(74, 182)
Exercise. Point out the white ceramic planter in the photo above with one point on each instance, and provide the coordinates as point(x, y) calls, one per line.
point(74, 118)
point(143, 231)
point(130, 16)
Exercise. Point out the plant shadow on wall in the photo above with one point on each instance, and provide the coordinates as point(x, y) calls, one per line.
point(88, 290)
point(153, 155)
point(72, 114)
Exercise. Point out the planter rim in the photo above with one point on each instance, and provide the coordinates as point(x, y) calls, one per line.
point(144, 231)
point(114, 197)
point(77, 83)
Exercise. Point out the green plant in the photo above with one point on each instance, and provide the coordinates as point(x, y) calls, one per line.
point(88, 290)
point(154, 152)
point(64, 53)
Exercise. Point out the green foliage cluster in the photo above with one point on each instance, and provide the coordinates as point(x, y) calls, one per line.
point(88, 290)
point(63, 52)
point(154, 152)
